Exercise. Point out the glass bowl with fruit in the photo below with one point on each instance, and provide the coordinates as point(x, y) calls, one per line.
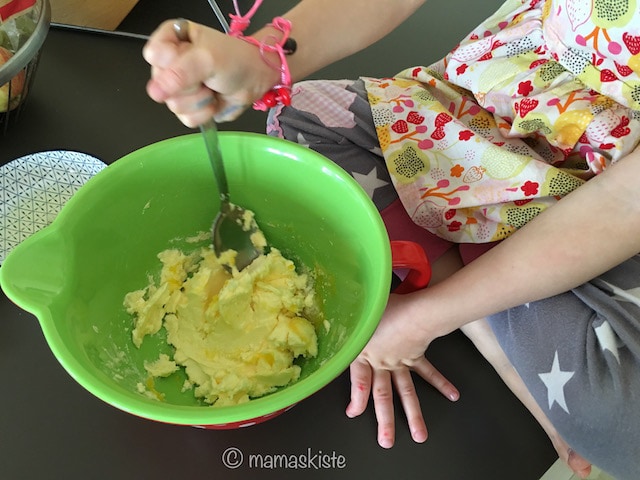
point(24, 25)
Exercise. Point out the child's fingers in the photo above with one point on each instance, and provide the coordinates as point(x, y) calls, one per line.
point(432, 375)
point(406, 391)
point(360, 372)
point(382, 392)
point(162, 46)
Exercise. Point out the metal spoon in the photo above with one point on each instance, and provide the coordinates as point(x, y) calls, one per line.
point(234, 228)
point(223, 21)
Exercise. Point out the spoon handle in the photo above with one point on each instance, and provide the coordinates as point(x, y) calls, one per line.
point(209, 129)
point(220, 15)
point(210, 134)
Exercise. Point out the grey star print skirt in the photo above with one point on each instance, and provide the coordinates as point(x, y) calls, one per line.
point(578, 353)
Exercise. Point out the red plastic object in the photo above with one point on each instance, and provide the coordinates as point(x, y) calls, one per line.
point(410, 255)
point(245, 423)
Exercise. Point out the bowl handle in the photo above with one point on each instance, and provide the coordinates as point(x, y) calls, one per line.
point(34, 271)
point(410, 255)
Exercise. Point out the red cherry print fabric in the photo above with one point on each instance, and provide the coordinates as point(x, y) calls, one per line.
point(539, 98)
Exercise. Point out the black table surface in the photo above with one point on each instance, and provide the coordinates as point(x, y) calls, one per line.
point(89, 96)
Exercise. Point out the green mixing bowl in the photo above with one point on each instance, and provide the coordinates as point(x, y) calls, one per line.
point(74, 274)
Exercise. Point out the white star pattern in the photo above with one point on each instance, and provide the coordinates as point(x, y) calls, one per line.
point(632, 295)
point(370, 181)
point(608, 339)
point(302, 141)
point(377, 151)
point(555, 380)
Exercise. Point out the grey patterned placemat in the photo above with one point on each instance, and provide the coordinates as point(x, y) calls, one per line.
point(34, 188)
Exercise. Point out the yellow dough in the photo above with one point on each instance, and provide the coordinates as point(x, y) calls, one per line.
point(236, 335)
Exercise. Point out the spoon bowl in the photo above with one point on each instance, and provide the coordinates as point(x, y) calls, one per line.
point(234, 228)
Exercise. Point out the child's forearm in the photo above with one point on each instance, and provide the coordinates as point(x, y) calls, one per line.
point(587, 233)
point(329, 30)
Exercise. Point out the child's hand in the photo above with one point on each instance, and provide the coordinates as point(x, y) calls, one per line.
point(210, 75)
point(396, 348)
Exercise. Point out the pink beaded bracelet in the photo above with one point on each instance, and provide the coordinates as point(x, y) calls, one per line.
point(285, 45)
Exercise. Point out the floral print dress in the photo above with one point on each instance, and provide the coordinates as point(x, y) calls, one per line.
point(538, 99)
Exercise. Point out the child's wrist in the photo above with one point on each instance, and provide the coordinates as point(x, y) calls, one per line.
point(274, 45)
